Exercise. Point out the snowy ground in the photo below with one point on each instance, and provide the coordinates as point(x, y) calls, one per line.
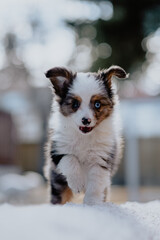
point(80, 222)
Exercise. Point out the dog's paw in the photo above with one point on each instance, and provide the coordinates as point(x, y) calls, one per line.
point(76, 183)
point(92, 201)
point(93, 198)
point(71, 169)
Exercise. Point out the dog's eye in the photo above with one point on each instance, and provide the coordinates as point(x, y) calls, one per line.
point(75, 104)
point(97, 104)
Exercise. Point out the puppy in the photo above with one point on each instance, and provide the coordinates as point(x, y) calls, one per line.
point(84, 144)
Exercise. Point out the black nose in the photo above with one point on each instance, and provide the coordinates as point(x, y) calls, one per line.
point(86, 121)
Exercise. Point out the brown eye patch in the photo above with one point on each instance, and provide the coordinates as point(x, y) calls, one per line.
point(71, 104)
point(102, 107)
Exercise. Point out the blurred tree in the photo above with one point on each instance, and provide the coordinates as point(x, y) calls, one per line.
point(14, 75)
point(123, 33)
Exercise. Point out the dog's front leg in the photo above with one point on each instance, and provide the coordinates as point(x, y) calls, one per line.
point(70, 167)
point(97, 182)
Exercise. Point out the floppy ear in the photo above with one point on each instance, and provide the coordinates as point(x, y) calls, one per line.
point(107, 74)
point(60, 78)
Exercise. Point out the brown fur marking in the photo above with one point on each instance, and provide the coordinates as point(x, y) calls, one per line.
point(67, 105)
point(106, 107)
point(66, 195)
point(112, 71)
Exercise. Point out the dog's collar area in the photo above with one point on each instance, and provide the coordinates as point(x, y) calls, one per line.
point(85, 129)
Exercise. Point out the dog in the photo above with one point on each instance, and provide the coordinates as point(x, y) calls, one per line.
point(84, 144)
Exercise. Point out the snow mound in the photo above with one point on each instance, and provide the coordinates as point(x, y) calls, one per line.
point(81, 222)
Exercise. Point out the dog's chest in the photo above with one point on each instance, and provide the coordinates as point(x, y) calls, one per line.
point(79, 147)
point(87, 149)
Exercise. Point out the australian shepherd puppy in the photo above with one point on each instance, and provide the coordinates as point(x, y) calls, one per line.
point(84, 146)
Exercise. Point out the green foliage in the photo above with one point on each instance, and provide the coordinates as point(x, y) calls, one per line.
point(131, 22)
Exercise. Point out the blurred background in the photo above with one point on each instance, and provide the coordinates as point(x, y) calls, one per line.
point(36, 35)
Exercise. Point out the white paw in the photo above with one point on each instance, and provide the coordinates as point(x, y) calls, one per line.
point(92, 201)
point(76, 183)
point(71, 169)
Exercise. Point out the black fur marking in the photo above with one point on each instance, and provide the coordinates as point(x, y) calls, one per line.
point(61, 87)
point(111, 158)
point(56, 158)
point(112, 155)
point(58, 185)
point(65, 92)
point(105, 168)
point(109, 90)
point(105, 160)
point(107, 85)
point(58, 178)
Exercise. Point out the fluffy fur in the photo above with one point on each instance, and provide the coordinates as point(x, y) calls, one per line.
point(84, 144)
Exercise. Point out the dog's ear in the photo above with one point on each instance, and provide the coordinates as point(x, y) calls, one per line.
point(60, 78)
point(106, 75)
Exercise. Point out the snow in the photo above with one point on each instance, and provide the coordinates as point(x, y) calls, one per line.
point(18, 189)
point(81, 222)
point(12, 181)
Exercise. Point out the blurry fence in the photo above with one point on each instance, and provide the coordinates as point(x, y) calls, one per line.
point(149, 155)
point(142, 152)
point(7, 139)
point(27, 156)
point(23, 155)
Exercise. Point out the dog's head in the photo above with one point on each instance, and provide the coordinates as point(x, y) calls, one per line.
point(86, 98)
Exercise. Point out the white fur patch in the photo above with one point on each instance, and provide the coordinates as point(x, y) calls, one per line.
point(86, 86)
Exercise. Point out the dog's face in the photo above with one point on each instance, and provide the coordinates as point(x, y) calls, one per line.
point(86, 98)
